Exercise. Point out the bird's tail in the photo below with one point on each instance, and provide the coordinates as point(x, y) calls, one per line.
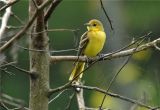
point(76, 72)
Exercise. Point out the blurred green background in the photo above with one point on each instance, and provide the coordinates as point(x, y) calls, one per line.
point(140, 78)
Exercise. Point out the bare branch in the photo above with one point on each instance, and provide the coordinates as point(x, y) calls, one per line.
point(50, 10)
point(12, 101)
point(3, 105)
point(7, 64)
point(16, 67)
point(22, 70)
point(17, 18)
point(69, 102)
point(117, 73)
point(109, 55)
point(57, 96)
point(115, 96)
point(55, 30)
point(26, 27)
point(5, 19)
point(65, 86)
point(156, 46)
point(9, 4)
point(102, 6)
point(80, 100)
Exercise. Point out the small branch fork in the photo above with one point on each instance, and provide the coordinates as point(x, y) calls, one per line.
point(25, 28)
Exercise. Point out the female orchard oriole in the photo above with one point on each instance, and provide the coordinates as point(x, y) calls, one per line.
point(91, 43)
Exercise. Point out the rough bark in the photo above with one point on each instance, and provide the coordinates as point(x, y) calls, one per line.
point(39, 61)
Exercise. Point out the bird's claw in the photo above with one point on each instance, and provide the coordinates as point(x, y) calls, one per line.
point(89, 60)
point(101, 56)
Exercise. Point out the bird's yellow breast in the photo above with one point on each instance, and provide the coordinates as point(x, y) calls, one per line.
point(95, 44)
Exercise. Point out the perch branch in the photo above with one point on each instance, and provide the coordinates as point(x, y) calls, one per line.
point(109, 55)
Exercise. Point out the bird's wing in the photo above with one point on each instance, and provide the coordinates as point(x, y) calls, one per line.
point(83, 43)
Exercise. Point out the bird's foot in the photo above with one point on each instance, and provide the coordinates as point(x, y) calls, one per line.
point(101, 56)
point(89, 61)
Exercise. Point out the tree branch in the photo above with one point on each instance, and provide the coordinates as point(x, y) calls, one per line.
point(65, 86)
point(102, 6)
point(5, 19)
point(25, 28)
point(80, 100)
point(11, 101)
point(50, 10)
point(115, 96)
point(9, 4)
point(109, 55)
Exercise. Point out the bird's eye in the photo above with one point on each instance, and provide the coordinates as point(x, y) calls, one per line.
point(94, 24)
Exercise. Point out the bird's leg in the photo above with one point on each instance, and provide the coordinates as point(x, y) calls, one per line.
point(101, 56)
point(89, 61)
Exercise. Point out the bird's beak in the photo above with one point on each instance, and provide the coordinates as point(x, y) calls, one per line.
point(87, 24)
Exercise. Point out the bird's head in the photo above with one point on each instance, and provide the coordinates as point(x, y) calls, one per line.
point(94, 25)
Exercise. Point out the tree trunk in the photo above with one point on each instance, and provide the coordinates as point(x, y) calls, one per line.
point(39, 61)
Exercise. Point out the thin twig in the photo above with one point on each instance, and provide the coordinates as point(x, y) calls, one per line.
point(114, 95)
point(5, 70)
point(9, 4)
point(7, 64)
point(20, 108)
point(5, 19)
point(17, 18)
point(51, 51)
point(6, 99)
point(102, 6)
point(50, 10)
point(65, 86)
point(20, 69)
point(158, 48)
point(3, 105)
point(57, 96)
point(16, 67)
point(108, 56)
point(117, 73)
point(55, 30)
point(14, 27)
point(88, 108)
point(26, 27)
point(69, 102)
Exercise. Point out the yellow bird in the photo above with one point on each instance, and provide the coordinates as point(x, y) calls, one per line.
point(91, 43)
